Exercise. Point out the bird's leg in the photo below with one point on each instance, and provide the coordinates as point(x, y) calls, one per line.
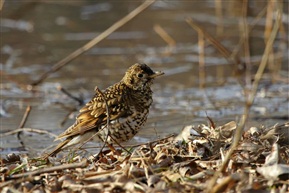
point(115, 141)
point(110, 146)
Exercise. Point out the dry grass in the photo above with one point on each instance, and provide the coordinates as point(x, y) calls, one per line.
point(185, 163)
point(204, 158)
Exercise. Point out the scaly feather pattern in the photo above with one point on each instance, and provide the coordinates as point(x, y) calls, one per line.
point(128, 105)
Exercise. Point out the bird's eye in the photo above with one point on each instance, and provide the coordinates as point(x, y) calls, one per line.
point(140, 75)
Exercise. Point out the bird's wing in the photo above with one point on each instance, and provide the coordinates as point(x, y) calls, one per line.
point(94, 113)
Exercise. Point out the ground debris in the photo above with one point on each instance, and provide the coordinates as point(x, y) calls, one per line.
point(176, 164)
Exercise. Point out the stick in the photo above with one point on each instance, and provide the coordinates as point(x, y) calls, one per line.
point(25, 116)
point(81, 164)
point(219, 14)
point(202, 70)
point(119, 145)
point(107, 121)
point(224, 51)
point(22, 123)
point(249, 103)
point(164, 35)
point(244, 28)
point(151, 142)
point(107, 125)
point(250, 28)
point(80, 101)
point(147, 143)
point(27, 129)
point(1, 4)
point(94, 41)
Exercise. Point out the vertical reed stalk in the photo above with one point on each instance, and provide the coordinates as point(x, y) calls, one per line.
point(220, 75)
point(1, 4)
point(245, 34)
point(268, 28)
point(219, 14)
point(250, 100)
point(282, 46)
point(166, 37)
point(202, 72)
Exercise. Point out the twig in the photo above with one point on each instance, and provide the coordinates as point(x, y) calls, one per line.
point(250, 28)
point(93, 42)
point(107, 123)
point(230, 57)
point(25, 116)
point(147, 166)
point(165, 36)
point(244, 29)
point(155, 141)
point(22, 123)
point(282, 47)
point(1, 4)
point(70, 109)
point(202, 71)
point(147, 143)
point(67, 116)
point(224, 51)
point(271, 6)
point(249, 103)
point(122, 147)
point(226, 182)
point(81, 164)
point(107, 126)
point(219, 14)
point(264, 59)
point(80, 101)
point(269, 19)
point(28, 130)
point(107, 119)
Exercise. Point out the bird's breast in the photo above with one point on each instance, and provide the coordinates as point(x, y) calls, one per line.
point(123, 129)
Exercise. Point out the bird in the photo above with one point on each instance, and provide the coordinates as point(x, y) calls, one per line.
point(127, 104)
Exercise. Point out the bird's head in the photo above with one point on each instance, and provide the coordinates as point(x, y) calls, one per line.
point(140, 76)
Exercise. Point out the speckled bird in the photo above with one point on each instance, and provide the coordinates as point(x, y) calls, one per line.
point(128, 103)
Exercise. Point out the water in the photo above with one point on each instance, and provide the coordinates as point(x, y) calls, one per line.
point(37, 35)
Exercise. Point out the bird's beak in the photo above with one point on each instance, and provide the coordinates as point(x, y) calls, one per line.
point(156, 74)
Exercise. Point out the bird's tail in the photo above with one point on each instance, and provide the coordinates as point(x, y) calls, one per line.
point(56, 150)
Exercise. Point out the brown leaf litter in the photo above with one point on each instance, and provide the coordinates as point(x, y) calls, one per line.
point(184, 163)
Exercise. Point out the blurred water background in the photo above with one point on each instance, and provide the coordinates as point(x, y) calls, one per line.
point(37, 34)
